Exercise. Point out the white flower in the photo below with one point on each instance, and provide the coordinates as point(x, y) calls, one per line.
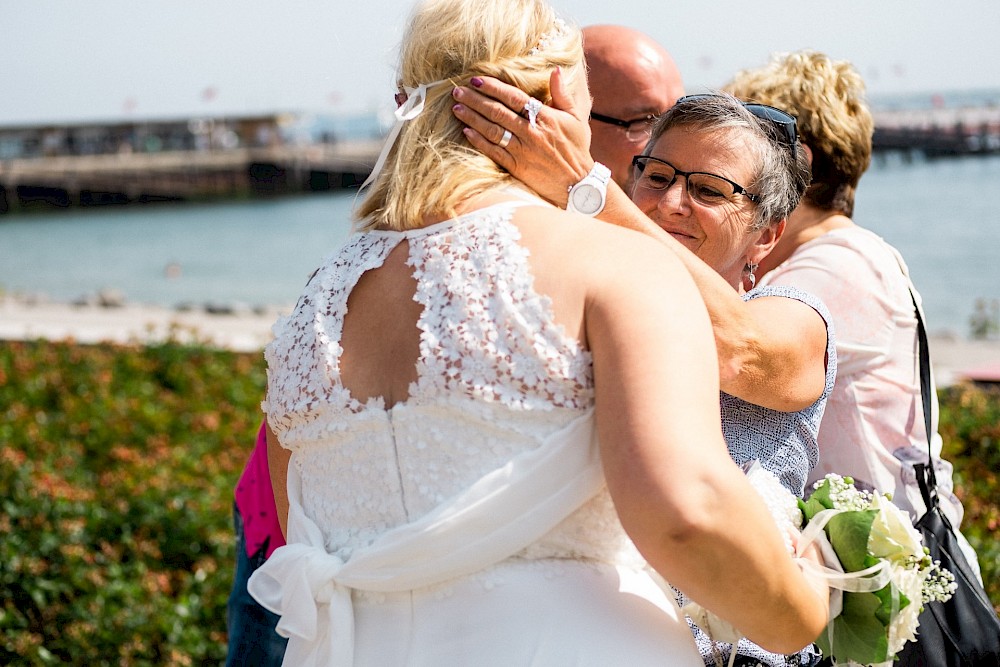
point(893, 536)
point(844, 495)
point(903, 627)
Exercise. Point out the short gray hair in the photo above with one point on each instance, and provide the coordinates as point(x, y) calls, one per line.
point(782, 171)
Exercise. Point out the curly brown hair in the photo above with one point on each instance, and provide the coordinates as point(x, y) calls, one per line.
point(827, 97)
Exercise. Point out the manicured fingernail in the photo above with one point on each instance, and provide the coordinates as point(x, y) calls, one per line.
point(476, 82)
point(457, 107)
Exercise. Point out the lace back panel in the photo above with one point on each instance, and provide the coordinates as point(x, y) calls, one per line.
point(485, 333)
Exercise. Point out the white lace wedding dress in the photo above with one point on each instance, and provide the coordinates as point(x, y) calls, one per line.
point(470, 524)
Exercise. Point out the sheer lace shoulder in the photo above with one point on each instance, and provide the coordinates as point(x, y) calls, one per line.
point(485, 333)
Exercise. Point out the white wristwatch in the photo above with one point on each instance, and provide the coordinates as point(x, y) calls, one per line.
point(588, 196)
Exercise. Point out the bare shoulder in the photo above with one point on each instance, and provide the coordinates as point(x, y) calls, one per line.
point(598, 251)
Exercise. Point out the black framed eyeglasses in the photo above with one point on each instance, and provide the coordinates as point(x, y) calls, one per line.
point(783, 121)
point(638, 129)
point(658, 175)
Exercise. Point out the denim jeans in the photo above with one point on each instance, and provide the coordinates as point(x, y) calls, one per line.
point(253, 641)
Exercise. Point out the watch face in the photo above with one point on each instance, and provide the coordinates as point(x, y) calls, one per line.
point(587, 199)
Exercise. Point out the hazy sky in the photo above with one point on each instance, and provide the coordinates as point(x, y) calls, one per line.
point(73, 60)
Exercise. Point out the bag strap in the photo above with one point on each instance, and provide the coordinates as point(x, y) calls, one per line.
point(926, 478)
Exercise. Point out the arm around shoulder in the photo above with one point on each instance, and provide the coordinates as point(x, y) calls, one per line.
point(771, 352)
point(776, 353)
point(685, 504)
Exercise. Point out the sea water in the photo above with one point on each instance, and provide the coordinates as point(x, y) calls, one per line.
point(941, 214)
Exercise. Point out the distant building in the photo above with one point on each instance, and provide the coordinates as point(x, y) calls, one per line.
point(145, 136)
point(158, 160)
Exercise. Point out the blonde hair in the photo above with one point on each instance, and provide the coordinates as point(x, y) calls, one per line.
point(827, 97)
point(432, 168)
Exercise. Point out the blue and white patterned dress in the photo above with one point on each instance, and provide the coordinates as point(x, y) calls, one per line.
point(785, 444)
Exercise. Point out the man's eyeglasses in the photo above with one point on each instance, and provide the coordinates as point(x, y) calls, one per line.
point(783, 121)
point(708, 189)
point(637, 129)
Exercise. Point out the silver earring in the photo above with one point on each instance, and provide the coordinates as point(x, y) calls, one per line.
point(751, 267)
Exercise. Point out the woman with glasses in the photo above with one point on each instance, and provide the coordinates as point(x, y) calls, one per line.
point(870, 430)
point(716, 182)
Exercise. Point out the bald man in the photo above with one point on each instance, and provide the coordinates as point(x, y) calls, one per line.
point(631, 79)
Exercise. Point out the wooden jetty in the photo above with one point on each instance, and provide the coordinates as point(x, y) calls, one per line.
point(120, 178)
point(939, 132)
point(193, 159)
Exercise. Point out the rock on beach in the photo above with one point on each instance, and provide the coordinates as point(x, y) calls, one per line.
point(228, 327)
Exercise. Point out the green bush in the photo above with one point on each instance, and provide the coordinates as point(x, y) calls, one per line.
point(970, 428)
point(117, 470)
point(118, 466)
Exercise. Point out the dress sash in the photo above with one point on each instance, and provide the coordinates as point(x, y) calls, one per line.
point(499, 515)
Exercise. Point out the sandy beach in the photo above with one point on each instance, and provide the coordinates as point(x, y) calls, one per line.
point(248, 330)
point(243, 330)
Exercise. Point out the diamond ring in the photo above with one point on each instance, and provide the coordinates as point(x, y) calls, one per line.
point(533, 107)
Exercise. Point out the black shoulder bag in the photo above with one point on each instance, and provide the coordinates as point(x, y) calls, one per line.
point(965, 630)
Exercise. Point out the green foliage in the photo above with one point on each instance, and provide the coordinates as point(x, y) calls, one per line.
point(858, 634)
point(117, 467)
point(970, 427)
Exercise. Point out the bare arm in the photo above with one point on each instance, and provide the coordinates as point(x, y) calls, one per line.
point(686, 505)
point(277, 464)
point(771, 351)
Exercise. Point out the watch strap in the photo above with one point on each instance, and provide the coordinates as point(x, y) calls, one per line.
point(598, 178)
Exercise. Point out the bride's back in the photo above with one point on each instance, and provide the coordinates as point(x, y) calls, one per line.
point(387, 310)
point(437, 396)
point(416, 362)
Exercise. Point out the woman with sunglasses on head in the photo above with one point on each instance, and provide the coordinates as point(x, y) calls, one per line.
point(869, 431)
point(716, 183)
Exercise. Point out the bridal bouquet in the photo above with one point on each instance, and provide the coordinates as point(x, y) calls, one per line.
point(878, 570)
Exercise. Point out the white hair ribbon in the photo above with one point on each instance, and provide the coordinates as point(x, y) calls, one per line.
point(408, 110)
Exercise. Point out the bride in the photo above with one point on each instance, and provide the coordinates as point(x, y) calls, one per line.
point(490, 442)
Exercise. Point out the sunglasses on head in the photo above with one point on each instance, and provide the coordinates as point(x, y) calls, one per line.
point(783, 121)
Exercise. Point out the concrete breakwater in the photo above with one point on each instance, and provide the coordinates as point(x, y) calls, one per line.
point(954, 359)
point(123, 178)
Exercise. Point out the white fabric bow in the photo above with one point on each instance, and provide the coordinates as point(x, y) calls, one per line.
point(868, 580)
point(499, 515)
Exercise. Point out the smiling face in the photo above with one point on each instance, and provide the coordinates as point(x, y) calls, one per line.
point(719, 234)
